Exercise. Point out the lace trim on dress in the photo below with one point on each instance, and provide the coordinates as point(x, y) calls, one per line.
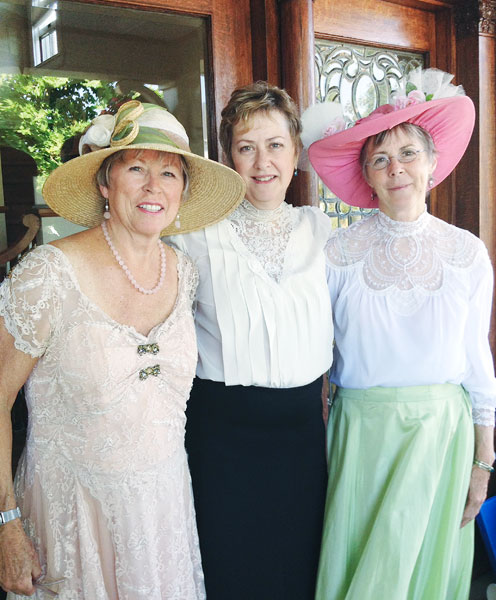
point(403, 260)
point(105, 465)
point(265, 233)
point(31, 300)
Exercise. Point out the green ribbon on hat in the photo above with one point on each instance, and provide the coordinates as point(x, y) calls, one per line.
point(149, 135)
point(128, 131)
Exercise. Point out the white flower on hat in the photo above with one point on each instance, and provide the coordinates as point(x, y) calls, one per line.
point(98, 135)
point(432, 83)
point(321, 120)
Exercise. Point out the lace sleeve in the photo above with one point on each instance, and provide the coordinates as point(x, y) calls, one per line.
point(29, 302)
point(335, 260)
point(334, 250)
point(189, 274)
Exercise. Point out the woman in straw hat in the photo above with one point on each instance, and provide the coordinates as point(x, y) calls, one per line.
point(411, 301)
point(99, 324)
point(255, 433)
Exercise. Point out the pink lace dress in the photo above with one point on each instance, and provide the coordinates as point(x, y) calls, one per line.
point(103, 483)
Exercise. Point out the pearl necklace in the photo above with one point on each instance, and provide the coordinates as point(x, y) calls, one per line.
point(124, 267)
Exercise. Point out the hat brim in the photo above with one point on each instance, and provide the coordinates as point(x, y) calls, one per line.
point(214, 191)
point(450, 122)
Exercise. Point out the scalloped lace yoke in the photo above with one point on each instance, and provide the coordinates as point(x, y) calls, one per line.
point(406, 260)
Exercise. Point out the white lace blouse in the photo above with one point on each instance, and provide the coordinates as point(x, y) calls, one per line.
point(412, 304)
point(263, 313)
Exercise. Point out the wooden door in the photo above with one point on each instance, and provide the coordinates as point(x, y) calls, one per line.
point(229, 47)
point(404, 30)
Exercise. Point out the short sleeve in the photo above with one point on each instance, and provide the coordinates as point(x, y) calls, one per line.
point(188, 274)
point(30, 304)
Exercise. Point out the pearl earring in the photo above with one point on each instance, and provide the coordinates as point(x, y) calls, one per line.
point(106, 209)
point(177, 222)
point(430, 182)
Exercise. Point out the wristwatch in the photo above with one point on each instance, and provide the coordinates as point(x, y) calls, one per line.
point(9, 515)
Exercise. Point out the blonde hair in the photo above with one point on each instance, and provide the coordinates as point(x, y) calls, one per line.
point(103, 173)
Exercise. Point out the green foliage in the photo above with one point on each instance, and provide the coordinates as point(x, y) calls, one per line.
point(37, 114)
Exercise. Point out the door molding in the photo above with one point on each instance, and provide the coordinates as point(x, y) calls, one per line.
point(228, 43)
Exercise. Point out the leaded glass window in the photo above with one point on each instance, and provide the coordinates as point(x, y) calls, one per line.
point(361, 78)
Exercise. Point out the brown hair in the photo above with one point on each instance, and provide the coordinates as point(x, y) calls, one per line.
point(250, 99)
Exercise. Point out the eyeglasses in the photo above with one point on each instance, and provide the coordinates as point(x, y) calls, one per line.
point(381, 161)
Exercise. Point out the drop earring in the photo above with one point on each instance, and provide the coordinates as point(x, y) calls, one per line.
point(430, 183)
point(177, 222)
point(106, 209)
point(295, 171)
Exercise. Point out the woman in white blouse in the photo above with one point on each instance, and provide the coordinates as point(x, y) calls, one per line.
point(255, 433)
point(411, 299)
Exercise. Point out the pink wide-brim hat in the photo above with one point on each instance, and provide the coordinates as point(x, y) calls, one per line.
point(450, 122)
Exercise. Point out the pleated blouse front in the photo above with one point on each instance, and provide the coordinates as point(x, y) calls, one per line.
point(263, 313)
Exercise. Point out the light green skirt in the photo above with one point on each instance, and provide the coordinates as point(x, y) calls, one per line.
point(399, 468)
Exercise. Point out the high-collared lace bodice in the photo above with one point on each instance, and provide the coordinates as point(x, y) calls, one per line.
point(411, 303)
point(104, 486)
point(265, 233)
point(404, 260)
point(263, 314)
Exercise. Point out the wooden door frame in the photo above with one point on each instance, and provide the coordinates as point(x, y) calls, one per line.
point(228, 42)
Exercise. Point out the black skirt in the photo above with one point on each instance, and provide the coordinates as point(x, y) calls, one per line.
point(257, 460)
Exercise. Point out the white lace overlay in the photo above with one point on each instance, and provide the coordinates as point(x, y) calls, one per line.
point(412, 304)
point(104, 486)
point(405, 260)
point(265, 233)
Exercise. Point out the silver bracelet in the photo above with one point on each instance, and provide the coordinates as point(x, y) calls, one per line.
point(483, 465)
point(9, 515)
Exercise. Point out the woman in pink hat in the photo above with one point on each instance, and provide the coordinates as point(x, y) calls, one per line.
point(411, 430)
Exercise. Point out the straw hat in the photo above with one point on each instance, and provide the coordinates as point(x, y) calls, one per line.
point(427, 99)
point(72, 192)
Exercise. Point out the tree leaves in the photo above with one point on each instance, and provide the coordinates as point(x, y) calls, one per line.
point(37, 114)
